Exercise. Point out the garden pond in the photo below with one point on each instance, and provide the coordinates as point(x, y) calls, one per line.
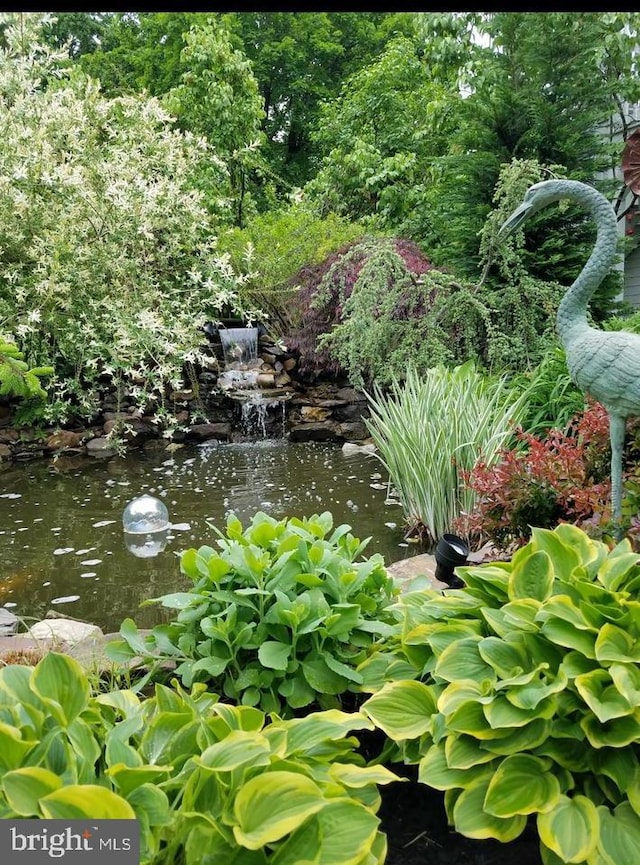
point(62, 544)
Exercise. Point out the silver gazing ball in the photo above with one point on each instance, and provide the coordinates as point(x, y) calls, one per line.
point(144, 515)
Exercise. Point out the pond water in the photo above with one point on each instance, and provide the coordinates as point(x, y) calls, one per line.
point(62, 545)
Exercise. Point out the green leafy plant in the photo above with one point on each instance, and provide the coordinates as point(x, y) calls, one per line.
point(16, 379)
point(522, 703)
point(197, 774)
point(279, 617)
point(433, 428)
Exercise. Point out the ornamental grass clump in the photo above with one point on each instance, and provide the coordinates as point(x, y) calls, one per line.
point(431, 430)
point(522, 703)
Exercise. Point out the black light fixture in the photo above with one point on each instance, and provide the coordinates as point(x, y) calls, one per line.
point(450, 552)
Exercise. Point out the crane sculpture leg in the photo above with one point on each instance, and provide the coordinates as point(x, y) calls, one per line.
point(616, 437)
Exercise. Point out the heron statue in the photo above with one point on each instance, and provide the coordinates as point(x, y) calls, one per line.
point(604, 364)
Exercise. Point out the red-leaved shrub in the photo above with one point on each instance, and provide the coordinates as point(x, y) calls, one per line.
point(562, 477)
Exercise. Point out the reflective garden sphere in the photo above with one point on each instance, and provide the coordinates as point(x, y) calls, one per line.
point(146, 546)
point(144, 515)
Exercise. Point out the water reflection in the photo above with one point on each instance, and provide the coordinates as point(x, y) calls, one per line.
point(61, 526)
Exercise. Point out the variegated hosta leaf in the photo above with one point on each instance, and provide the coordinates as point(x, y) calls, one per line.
point(472, 820)
point(571, 829)
point(522, 784)
point(402, 709)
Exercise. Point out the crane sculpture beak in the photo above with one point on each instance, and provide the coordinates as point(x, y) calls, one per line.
point(516, 219)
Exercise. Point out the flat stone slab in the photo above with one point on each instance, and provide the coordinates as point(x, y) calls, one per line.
point(423, 565)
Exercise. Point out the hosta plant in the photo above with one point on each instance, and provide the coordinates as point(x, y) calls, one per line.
point(279, 616)
point(519, 696)
point(201, 777)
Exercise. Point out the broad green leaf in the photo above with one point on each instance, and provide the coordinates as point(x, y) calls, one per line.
point(322, 678)
point(361, 776)
point(599, 692)
point(530, 694)
point(626, 678)
point(272, 805)
point(463, 691)
point(616, 570)
point(521, 739)
point(13, 749)
point(178, 601)
point(340, 834)
point(343, 669)
point(618, 764)
point(564, 558)
point(240, 717)
point(501, 713)
point(615, 644)
point(566, 634)
point(125, 701)
point(304, 734)
point(128, 778)
point(463, 752)
point(25, 787)
point(403, 710)
point(435, 771)
point(571, 828)
point(505, 658)
point(619, 839)
point(532, 577)
point(522, 784)
point(274, 655)
point(462, 660)
point(615, 733)
point(470, 718)
point(60, 681)
point(472, 820)
point(239, 748)
point(86, 801)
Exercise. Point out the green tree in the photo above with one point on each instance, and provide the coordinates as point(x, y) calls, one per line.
point(301, 59)
point(379, 137)
point(218, 97)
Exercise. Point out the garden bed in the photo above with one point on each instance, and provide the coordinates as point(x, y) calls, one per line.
point(414, 820)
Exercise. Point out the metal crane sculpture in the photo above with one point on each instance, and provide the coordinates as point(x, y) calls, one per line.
point(605, 364)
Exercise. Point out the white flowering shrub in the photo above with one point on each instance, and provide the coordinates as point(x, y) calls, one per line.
point(108, 264)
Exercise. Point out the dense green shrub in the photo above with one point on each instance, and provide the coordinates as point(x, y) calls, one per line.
point(431, 430)
point(278, 618)
point(195, 773)
point(518, 696)
point(552, 398)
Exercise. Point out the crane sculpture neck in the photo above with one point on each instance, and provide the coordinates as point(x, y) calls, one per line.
point(571, 320)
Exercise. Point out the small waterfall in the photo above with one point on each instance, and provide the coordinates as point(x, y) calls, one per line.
point(240, 346)
point(240, 379)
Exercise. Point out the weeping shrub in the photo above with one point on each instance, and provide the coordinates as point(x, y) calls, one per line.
point(431, 430)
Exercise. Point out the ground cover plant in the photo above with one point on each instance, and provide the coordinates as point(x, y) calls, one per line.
point(279, 616)
point(430, 431)
point(518, 696)
point(196, 773)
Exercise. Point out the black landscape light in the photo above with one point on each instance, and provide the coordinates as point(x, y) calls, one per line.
point(450, 552)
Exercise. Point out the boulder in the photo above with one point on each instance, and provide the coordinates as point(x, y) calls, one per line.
point(5, 452)
point(206, 431)
point(354, 431)
point(313, 432)
point(314, 414)
point(8, 622)
point(63, 631)
point(63, 440)
point(100, 447)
